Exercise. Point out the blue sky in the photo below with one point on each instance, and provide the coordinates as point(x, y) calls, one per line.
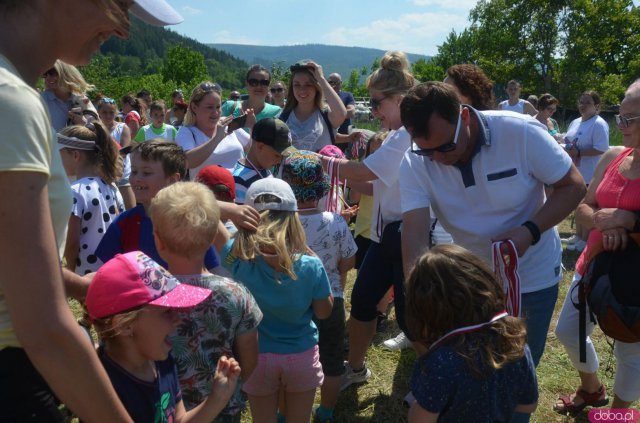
point(413, 26)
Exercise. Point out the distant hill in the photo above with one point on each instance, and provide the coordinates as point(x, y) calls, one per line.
point(332, 58)
point(147, 46)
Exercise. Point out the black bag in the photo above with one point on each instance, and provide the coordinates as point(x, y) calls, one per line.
point(611, 289)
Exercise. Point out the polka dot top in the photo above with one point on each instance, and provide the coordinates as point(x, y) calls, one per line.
point(96, 204)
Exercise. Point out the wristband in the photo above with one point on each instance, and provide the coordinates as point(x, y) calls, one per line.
point(534, 229)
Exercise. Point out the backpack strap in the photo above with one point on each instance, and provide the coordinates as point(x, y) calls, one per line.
point(284, 115)
point(325, 116)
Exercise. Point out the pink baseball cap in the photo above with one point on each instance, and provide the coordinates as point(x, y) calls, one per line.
point(332, 151)
point(132, 280)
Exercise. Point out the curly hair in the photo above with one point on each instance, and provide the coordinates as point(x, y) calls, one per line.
point(458, 290)
point(471, 81)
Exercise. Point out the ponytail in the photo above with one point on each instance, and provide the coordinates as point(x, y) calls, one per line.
point(103, 156)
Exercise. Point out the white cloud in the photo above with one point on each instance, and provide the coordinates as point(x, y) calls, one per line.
point(447, 4)
point(191, 11)
point(232, 37)
point(413, 33)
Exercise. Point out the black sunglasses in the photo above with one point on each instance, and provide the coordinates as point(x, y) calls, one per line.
point(444, 148)
point(50, 72)
point(255, 82)
point(374, 103)
point(277, 90)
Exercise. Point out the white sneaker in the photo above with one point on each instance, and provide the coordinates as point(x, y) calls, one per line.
point(350, 377)
point(400, 342)
point(569, 241)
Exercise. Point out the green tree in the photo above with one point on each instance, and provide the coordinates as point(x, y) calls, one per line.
point(427, 71)
point(184, 66)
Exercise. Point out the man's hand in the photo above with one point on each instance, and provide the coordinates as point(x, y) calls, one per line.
point(520, 236)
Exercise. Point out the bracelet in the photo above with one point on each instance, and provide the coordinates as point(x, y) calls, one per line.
point(534, 229)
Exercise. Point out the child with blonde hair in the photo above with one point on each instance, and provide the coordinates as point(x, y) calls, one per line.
point(133, 303)
point(185, 219)
point(92, 158)
point(478, 366)
point(290, 286)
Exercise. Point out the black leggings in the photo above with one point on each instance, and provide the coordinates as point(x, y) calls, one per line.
point(24, 395)
point(381, 268)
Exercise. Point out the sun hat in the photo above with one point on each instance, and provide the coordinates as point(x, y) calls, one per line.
point(213, 176)
point(303, 171)
point(155, 12)
point(272, 194)
point(131, 280)
point(274, 133)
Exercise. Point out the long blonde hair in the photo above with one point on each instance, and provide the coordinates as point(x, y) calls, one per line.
point(198, 93)
point(70, 79)
point(280, 232)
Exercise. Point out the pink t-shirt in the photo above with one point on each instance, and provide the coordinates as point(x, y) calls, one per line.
point(614, 191)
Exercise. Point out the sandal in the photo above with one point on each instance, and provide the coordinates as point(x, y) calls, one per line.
point(593, 399)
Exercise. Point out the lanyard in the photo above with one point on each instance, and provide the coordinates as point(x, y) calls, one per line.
point(254, 167)
point(467, 329)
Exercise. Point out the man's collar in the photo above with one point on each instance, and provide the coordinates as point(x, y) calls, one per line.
point(483, 136)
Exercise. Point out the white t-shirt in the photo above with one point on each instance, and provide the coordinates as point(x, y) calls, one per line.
point(96, 204)
point(518, 107)
point(226, 154)
point(592, 133)
point(500, 189)
point(328, 235)
point(386, 190)
point(311, 134)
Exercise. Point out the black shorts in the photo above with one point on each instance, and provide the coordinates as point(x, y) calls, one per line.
point(331, 333)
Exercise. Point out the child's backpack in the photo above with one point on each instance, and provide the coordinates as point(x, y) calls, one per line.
point(611, 289)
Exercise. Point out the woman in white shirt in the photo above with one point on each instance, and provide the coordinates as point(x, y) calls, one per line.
point(201, 136)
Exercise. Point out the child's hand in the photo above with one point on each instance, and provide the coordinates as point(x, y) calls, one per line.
point(348, 213)
point(225, 379)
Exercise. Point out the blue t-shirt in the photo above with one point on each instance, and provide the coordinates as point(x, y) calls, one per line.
point(133, 231)
point(286, 326)
point(443, 383)
point(347, 99)
point(146, 401)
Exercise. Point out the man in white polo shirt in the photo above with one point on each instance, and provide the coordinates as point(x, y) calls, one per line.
point(483, 175)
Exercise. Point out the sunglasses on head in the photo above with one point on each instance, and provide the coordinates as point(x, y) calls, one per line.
point(108, 100)
point(277, 90)
point(444, 148)
point(208, 87)
point(255, 82)
point(50, 72)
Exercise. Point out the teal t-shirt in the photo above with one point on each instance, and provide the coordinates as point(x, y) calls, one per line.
point(269, 110)
point(287, 326)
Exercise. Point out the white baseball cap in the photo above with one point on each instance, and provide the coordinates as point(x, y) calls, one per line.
point(272, 194)
point(156, 12)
